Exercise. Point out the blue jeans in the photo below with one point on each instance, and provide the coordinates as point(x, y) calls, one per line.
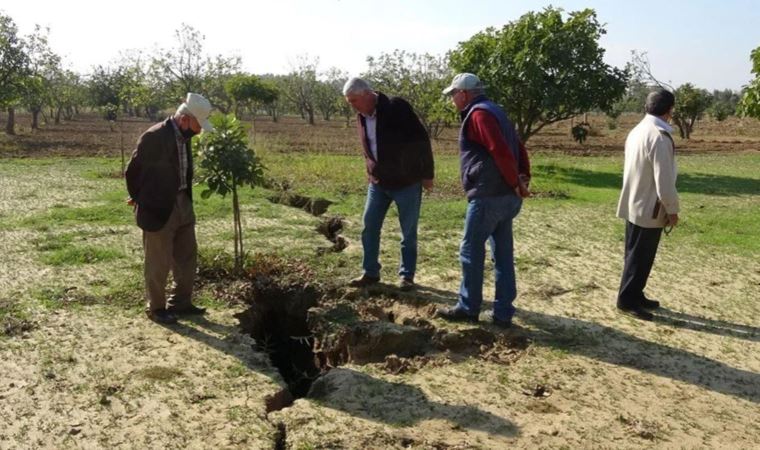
point(408, 202)
point(489, 219)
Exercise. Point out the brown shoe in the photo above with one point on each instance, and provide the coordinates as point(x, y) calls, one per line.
point(455, 315)
point(186, 310)
point(162, 316)
point(364, 281)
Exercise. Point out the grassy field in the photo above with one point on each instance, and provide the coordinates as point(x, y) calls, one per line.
point(83, 367)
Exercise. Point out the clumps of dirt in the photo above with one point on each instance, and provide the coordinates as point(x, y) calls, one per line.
point(314, 206)
point(330, 228)
point(553, 194)
point(65, 296)
point(538, 391)
point(401, 338)
point(548, 292)
point(307, 329)
point(11, 325)
point(644, 429)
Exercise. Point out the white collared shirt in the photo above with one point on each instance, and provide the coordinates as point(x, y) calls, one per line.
point(370, 123)
point(659, 123)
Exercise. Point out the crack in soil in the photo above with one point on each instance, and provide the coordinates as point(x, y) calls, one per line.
point(330, 228)
point(313, 205)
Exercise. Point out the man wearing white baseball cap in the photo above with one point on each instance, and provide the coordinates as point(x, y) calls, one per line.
point(159, 180)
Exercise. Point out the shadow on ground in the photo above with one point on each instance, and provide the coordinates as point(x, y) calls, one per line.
point(617, 347)
point(698, 183)
point(398, 404)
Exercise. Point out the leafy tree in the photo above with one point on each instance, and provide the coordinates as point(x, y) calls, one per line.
point(749, 105)
point(14, 66)
point(140, 93)
point(105, 86)
point(185, 68)
point(329, 92)
point(724, 103)
point(543, 68)
point(44, 65)
point(691, 103)
point(300, 87)
point(248, 91)
point(226, 163)
point(68, 92)
point(419, 78)
point(279, 102)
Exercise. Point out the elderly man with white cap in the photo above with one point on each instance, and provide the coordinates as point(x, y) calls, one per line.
point(159, 180)
point(495, 172)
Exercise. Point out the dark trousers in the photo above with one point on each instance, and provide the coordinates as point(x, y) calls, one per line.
point(640, 250)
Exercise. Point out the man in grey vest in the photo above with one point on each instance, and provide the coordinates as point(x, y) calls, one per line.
point(160, 180)
point(495, 173)
point(648, 200)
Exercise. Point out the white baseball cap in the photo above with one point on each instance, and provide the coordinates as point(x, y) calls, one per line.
point(200, 108)
point(464, 82)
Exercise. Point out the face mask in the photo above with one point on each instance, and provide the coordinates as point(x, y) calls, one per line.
point(187, 133)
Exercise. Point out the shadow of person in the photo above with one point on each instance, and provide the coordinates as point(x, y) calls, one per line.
point(702, 324)
point(398, 404)
point(619, 348)
point(223, 338)
point(693, 182)
point(435, 295)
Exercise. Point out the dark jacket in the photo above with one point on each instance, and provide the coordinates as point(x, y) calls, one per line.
point(479, 172)
point(153, 175)
point(403, 146)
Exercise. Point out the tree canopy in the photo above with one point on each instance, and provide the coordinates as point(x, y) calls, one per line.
point(691, 103)
point(750, 103)
point(544, 67)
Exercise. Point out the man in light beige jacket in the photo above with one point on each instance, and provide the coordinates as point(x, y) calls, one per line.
point(648, 201)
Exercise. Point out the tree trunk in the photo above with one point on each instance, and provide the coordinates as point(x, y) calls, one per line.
point(253, 128)
point(10, 126)
point(121, 146)
point(238, 229)
point(58, 115)
point(35, 119)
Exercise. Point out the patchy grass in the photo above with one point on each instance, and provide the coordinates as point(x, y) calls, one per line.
point(78, 255)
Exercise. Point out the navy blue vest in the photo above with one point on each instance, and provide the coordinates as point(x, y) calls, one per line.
point(480, 175)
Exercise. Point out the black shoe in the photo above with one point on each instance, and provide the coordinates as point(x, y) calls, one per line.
point(455, 315)
point(637, 312)
point(406, 284)
point(162, 316)
point(649, 304)
point(498, 322)
point(188, 310)
point(364, 281)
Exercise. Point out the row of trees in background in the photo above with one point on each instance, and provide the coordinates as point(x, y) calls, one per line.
point(545, 67)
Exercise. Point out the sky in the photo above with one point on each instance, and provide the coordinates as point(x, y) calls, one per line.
point(707, 43)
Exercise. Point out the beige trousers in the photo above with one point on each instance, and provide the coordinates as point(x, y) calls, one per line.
point(171, 248)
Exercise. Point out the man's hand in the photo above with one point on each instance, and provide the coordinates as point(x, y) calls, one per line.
point(523, 186)
point(428, 185)
point(672, 220)
point(131, 203)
